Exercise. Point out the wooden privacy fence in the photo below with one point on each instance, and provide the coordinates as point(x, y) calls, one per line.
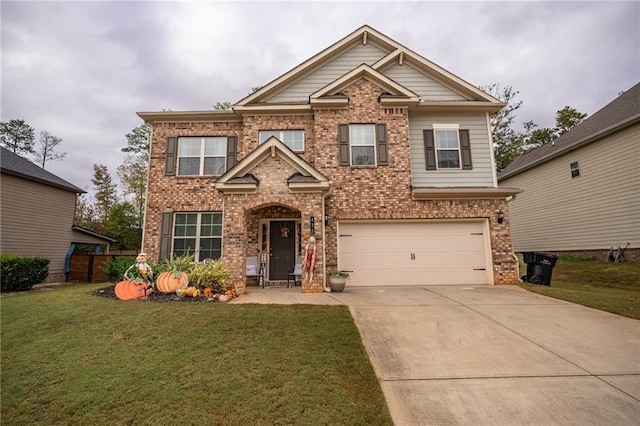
point(87, 268)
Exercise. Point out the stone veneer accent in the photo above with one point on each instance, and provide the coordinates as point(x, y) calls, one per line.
point(363, 192)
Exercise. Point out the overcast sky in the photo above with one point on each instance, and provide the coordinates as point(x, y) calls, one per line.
point(81, 70)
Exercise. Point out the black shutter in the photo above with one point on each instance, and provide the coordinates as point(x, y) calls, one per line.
point(383, 151)
point(232, 149)
point(465, 150)
point(429, 150)
point(343, 142)
point(170, 164)
point(165, 236)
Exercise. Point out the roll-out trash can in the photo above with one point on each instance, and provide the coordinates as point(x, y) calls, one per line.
point(539, 267)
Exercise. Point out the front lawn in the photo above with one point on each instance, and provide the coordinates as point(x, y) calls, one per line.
point(611, 287)
point(69, 357)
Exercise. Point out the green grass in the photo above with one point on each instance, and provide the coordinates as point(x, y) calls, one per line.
point(69, 357)
point(611, 287)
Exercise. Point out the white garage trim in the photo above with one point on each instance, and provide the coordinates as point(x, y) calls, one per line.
point(415, 252)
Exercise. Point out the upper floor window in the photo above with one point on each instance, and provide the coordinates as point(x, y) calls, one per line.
point(294, 139)
point(198, 234)
point(202, 156)
point(575, 169)
point(363, 144)
point(446, 147)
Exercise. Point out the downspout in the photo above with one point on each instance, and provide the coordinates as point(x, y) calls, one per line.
point(324, 244)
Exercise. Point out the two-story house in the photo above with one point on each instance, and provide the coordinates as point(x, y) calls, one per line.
point(37, 212)
point(381, 155)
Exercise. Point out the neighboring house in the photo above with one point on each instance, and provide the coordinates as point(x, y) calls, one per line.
point(37, 209)
point(381, 155)
point(582, 191)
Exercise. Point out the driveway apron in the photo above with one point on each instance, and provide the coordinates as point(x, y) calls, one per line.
point(497, 355)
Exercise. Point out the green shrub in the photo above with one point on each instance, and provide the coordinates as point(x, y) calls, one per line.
point(182, 263)
point(213, 275)
point(22, 273)
point(115, 267)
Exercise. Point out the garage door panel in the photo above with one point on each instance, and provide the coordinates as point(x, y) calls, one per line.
point(413, 253)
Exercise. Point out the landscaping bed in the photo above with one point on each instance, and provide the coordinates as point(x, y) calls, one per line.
point(156, 296)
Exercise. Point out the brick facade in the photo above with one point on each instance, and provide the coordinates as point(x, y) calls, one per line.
point(363, 192)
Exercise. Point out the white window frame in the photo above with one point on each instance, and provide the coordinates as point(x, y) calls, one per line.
point(263, 135)
point(574, 167)
point(201, 155)
point(372, 145)
point(198, 237)
point(447, 127)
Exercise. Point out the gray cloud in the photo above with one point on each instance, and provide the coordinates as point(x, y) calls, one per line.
point(82, 70)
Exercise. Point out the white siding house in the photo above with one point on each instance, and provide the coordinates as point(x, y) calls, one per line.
point(581, 192)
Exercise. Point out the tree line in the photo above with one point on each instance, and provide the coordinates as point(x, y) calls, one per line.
point(510, 143)
point(18, 137)
point(114, 210)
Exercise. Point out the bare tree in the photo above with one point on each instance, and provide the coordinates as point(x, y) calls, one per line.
point(47, 147)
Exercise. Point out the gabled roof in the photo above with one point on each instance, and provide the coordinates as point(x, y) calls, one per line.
point(238, 179)
point(364, 71)
point(395, 52)
point(622, 112)
point(91, 233)
point(13, 164)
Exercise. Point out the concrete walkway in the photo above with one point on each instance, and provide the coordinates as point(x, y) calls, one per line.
point(490, 355)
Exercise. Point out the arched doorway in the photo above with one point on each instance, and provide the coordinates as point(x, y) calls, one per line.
point(274, 231)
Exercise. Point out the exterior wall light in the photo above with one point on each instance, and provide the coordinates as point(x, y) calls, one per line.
point(500, 217)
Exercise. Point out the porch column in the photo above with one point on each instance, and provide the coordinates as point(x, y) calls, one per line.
point(234, 239)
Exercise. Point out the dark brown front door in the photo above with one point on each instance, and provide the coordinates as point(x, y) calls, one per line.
point(282, 242)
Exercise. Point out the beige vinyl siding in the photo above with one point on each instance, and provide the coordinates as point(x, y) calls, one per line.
point(426, 87)
point(36, 220)
point(597, 210)
point(357, 55)
point(482, 173)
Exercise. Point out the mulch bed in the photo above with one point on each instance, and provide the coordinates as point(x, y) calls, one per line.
point(155, 296)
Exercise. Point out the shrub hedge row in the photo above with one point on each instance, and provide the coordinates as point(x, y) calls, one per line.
point(22, 273)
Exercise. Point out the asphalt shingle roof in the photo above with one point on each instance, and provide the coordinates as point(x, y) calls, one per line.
point(16, 165)
point(619, 113)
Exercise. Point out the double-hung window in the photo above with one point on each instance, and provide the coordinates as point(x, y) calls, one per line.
point(575, 169)
point(294, 139)
point(198, 234)
point(202, 156)
point(362, 144)
point(447, 148)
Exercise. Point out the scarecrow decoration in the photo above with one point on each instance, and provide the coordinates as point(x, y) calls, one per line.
point(138, 280)
point(309, 262)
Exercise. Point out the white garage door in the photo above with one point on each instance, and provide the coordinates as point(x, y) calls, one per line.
point(414, 253)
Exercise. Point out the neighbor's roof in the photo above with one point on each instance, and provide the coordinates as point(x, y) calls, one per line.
point(618, 114)
point(16, 165)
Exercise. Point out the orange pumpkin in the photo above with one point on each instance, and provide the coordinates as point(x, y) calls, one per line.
point(169, 282)
point(127, 290)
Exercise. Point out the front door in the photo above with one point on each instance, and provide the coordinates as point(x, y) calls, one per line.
point(282, 243)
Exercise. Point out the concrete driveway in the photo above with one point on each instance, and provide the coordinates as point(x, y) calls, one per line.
point(492, 355)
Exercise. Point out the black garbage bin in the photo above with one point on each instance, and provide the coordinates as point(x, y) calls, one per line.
point(539, 267)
